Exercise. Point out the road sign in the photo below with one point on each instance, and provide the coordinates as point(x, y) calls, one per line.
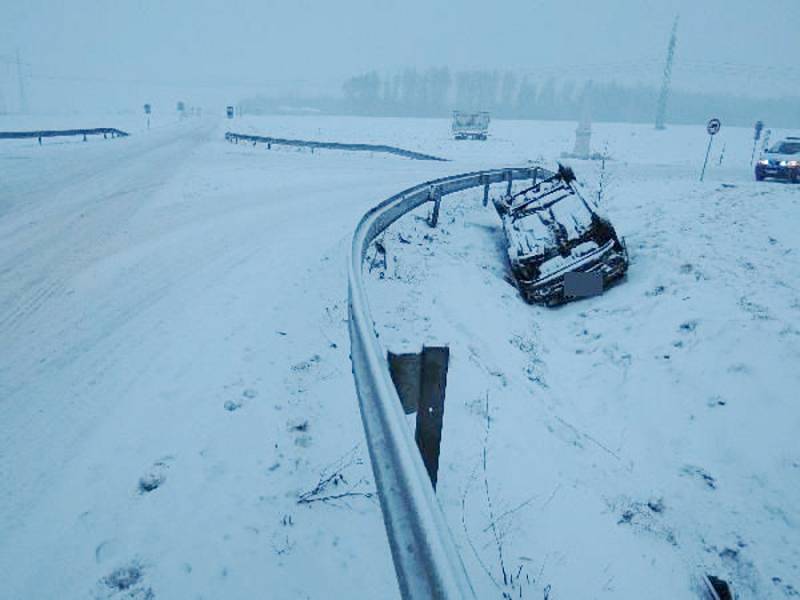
point(712, 128)
point(147, 109)
point(229, 112)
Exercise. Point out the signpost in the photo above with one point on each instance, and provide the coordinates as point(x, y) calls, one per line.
point(712, 128)
point(147, 111)
point(756, 136)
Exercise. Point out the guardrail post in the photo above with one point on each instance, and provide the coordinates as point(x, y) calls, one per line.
point(405, 370)
point(509, 177)
point(84, 137)
point(534, 173)
point(40, 140)
point(435, 194)
point(430, 413)
point(485, 181)
point(421, 380)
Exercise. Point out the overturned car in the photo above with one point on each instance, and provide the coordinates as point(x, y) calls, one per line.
point(555, 238)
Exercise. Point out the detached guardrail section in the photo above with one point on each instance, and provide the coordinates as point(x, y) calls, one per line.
point(104, 131)
point(425, 556)
point(256, 139)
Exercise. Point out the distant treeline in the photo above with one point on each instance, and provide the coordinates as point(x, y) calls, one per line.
point(437, 91)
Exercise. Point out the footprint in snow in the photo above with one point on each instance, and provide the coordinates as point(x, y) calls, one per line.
point(232, 405)
point(126, 582)
point(701, 475)
point(306, 364)
point(299, 427)
point(154, 478)
point(236, 404)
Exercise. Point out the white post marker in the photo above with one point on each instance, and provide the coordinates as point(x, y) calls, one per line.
point(756, 136)
point(712, 128)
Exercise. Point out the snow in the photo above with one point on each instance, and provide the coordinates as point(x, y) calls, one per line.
point(635, 440)
point(176, 393)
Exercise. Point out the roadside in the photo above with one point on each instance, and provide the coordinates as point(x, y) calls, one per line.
point(633, 439)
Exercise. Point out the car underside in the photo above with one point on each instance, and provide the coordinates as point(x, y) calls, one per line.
point(551, 230)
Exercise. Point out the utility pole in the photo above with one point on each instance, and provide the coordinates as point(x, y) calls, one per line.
point(23, 100)
point(665, 83)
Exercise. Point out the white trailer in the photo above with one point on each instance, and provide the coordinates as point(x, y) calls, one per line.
point(470, 125)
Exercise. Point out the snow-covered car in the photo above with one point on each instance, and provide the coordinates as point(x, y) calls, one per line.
point(551, 231)
point(782, 161)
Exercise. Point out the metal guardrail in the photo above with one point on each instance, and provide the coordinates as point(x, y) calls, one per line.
point(235, 137)
point(426, 560)
point(19, 135)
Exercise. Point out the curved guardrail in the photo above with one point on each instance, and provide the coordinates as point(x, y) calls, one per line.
point(235, 137)
point(426, 560)
point(19, 135)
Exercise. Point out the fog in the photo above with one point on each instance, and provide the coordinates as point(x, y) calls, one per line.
point(89, 55)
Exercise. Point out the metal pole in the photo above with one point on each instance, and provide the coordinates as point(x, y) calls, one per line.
point(705, 162)
point(436, 195)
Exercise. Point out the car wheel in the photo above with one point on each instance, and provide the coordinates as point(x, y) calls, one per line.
point(759, 176)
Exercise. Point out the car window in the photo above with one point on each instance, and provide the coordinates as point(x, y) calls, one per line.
point(786, 148)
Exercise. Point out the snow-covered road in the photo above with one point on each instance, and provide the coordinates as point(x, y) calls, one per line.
point(173, 308)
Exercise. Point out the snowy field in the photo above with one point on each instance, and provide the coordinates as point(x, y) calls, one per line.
point(177, 412)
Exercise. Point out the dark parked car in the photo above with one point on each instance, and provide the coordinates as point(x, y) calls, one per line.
point(782, 161)
point(551, 231)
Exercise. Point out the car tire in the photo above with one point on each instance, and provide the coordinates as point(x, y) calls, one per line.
point(759, 176)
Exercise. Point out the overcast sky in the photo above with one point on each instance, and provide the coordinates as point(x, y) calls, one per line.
point(140, 45)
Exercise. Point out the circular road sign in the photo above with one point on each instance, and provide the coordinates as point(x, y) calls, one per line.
point(713, 126)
